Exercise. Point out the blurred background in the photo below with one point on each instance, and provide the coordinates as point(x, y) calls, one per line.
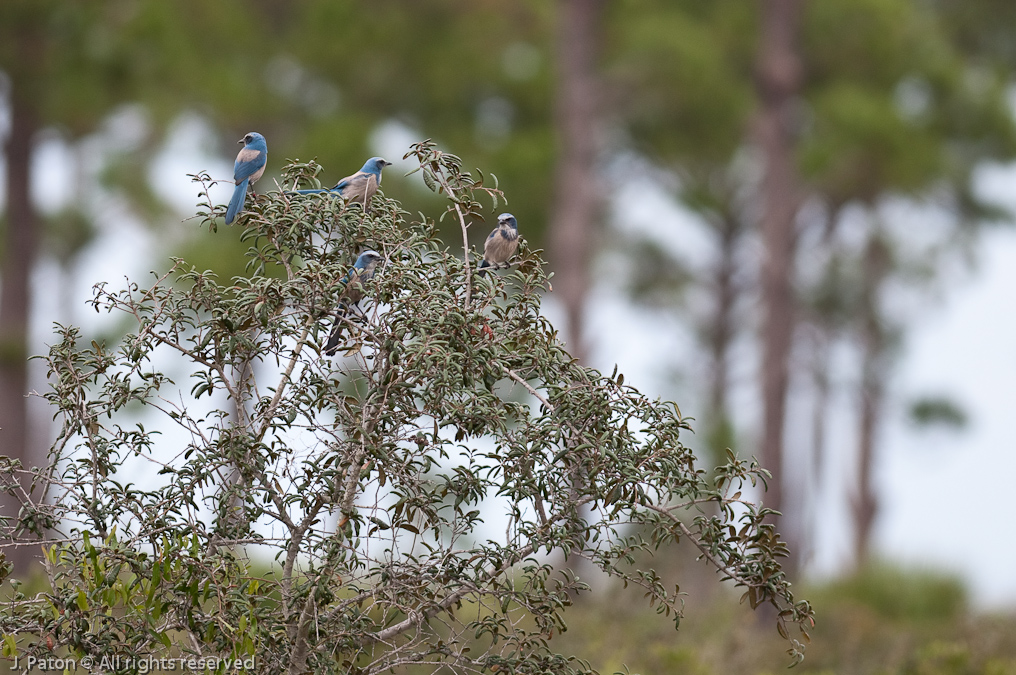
point(792, 217)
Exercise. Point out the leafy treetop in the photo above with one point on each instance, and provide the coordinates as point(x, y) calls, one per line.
point(372, 479)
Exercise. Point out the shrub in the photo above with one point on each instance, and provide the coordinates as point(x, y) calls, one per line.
point(370, 479)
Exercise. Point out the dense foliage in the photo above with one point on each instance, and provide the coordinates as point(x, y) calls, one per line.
point(411, 493)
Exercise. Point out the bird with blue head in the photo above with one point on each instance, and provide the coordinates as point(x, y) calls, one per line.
point(501, 244)
point(362, 271)
point(247, 169)
point(359, 187)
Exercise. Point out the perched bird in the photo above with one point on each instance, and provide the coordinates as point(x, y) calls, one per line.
point(359, 187)
point(501, 244)
point(362, 271)
point(249, 166)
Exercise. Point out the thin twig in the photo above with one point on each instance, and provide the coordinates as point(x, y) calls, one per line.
point(465, 255)
point(518, 378)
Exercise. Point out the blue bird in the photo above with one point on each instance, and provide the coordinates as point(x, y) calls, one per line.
point(359, 187)
point(501, 244)
point(362, 271)
point(248, 168)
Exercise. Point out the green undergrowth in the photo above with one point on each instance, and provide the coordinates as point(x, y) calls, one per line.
point(883, 620)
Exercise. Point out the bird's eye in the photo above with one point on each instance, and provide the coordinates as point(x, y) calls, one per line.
point(247, 138)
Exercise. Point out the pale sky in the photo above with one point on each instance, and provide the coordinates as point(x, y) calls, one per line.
point(944, 493)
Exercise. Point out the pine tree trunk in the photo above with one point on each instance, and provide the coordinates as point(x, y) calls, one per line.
point(821, 357)
point(19, 250)
point(864, 504)
point(577, 199)
point(721, 332)
point(779, 75)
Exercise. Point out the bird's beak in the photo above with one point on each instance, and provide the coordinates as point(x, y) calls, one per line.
point(240, 141)
point(387, 163)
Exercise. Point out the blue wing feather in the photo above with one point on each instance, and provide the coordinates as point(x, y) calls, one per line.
point(248, 162)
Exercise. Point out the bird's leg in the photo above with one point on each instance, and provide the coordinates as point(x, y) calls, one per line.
point(359, 311)
point(349, 313)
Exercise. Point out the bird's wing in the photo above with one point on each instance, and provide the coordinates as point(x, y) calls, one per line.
point(354, 287)
point(360, 184)
point(248, 162)
point(489, 244)
point(347, 181)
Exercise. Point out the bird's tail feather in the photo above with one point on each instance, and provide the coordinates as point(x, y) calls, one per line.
point(483, 272)
point(335, 336)
point(236, 203)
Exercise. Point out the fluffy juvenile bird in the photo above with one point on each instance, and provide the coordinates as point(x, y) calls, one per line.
point(362, 271)
point(501, 244)
point(247, 169)
point(359, 187)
